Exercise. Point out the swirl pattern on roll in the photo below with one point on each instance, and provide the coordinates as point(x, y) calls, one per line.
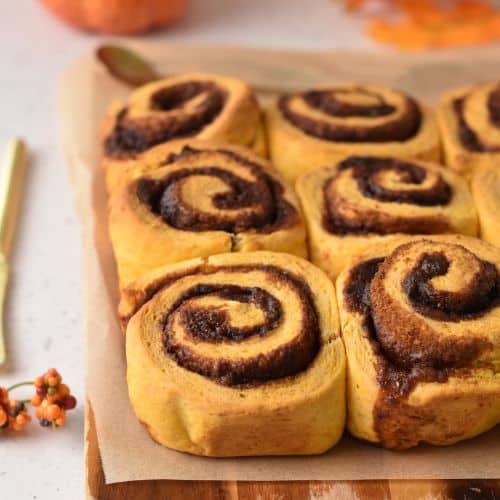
point(211, 190)
point(478, 115)
point(242, 334)
point(353, 114)
point(425, 308)
point(237, 343)
point(178, 110)
point(384, 196)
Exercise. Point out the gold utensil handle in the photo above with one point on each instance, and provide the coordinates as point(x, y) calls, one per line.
point(4, 278)
point(11, 181)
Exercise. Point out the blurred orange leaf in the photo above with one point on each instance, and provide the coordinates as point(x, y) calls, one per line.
point(430, 24)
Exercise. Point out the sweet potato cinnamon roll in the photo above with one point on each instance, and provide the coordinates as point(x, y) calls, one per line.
point(201, 199)
point(237, 354)
point(365, 200)
point(486, 192)
point(321, 126)
point(469, 120)
point(420, 323)
point(200, 106)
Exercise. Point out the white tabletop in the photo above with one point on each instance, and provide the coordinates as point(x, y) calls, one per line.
point(43, 317)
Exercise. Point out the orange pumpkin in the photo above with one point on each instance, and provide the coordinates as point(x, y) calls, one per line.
point(123, 17)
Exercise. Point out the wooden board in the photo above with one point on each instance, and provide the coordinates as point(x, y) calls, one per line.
point(389, 489)
point(296, 490)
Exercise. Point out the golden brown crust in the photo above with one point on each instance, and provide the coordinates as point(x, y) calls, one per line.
point(202, 199)
point(485, 187)
point(420, 324)
point(322, 126)
point(256, 335)
point(367, 200)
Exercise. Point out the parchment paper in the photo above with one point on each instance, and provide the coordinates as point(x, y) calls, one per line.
point(127, 451)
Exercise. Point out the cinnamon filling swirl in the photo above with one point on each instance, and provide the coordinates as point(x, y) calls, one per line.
point(321, 113)
point(494, 107)
point(481, 294)
point(408, 351)
point(234, 205)
point(387, 180)
point(468, 137)
point(181, 110)
point(208, 315)
point(213, 324)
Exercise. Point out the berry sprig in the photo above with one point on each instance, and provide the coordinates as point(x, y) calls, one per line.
point(52, 399)
point(13, 414)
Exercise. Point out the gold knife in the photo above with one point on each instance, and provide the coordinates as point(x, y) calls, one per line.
point(11, 181)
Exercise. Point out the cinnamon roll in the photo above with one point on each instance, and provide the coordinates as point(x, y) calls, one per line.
point(486, 192)
point(197, 199)
point(469, 120)
point(237, 354)
point(420, 323)
point(365, 200)
point(200, 106)
point(321, 126)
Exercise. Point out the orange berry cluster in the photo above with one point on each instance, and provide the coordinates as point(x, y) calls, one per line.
point(13, 414)
point(52, 399)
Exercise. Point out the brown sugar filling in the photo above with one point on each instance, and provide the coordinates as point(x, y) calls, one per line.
point(261, 202)
point(212, 325)
point(135, 135)
point(468, 138)
point(401, 365)
point(400, 128)
point(366, 171)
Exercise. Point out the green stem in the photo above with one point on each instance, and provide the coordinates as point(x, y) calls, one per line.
point(19, 384)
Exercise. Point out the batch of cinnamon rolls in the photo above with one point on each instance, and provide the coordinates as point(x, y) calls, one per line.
point(236, 343)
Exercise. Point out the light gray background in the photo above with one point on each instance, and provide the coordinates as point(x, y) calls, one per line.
point(43, 316)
